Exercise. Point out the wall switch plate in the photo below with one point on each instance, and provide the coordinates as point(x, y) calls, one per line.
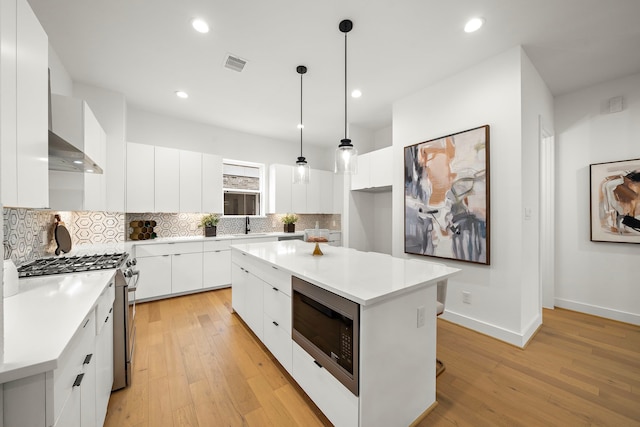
point(466, 297)
point(421, 316)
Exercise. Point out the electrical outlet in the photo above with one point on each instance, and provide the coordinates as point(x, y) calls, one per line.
point(421, 316)
point(466, 297)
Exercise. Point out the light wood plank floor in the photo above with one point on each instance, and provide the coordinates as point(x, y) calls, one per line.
point(196, 364)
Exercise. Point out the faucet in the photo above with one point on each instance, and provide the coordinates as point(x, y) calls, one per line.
point(247, 226)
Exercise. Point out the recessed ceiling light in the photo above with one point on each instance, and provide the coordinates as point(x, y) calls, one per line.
point(90, 170)
point(300, 126)
point(356, 93)
point(181, 94)
point(78, 162)
point(200, 26)
point(473, 25)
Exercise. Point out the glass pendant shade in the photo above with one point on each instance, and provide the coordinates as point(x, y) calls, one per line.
point(346, 159)
point(301, 171)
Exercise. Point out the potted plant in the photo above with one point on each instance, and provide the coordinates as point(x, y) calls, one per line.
point(289, 221)
point(209, 222)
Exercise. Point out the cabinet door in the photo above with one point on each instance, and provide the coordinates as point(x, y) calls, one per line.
point(70, 415)
point(325, 179)
point(381, 167)
point(88, 389)
point(8, 103)
point(360, 180)
point(255, 305)
point(280, 183)
point(167, 180)
point(140, 176)
point(313, 192)
point(32, 114)
point(190, 181)
point(338, 193)
point(155, 276)
point(217, 269)
point(212, 183)
point(239, 280)
point(104, 367)
point(299, 198)
point(186, 272)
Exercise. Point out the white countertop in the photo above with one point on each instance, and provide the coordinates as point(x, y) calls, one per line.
point(218, 237)
point(41, 319)
point(364, 277)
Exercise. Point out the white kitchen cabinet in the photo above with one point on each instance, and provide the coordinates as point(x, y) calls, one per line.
point(277, 324)
point(217, 264)
point(299, 198)
point(375, 171)
point(239, 278)
point(186, 272)
point(280, 183)
point(104, 355)
point(212, 199)
point(325, 190)
point(75, 122)
point(167, 179)
point(24, 107)
point(155, 276)
point(190, 181)
point(338, 193)
point(313, 192)
point(254, 304)
point(140, 178)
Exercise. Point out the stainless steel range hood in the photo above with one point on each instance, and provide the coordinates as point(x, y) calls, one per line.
point(64, 155)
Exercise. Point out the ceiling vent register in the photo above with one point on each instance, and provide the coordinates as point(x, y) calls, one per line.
point(234, 63)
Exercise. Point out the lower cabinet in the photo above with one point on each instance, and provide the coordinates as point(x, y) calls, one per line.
point(76, 394)
point(239, 279)
point(186, 272)
point(155, 276)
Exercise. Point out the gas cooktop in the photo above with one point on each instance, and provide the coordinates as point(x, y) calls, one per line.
point(72, 264)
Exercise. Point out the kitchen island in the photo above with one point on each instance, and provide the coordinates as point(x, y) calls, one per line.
point(397, 325)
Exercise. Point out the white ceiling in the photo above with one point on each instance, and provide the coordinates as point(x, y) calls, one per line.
point(146, 49)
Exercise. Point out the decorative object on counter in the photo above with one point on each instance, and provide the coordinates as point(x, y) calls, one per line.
point(63, 239)
point(316, 250)
point(346, 155)
point(301, 172)
point(289, 221)
point(615, 197)
point(143, 230)
point(209, 222)
point(451, 219)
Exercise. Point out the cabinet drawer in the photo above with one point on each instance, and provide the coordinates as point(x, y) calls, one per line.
point(333, 399)
point(72, 361)
point(168, 249)
point(247, 240)
point(217, 245)
point(277, 305)
point(278, 340)
point(105, 302)
point(273, 275)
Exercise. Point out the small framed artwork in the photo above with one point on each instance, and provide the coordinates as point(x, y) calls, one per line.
point(446, 185)
point(615, 201)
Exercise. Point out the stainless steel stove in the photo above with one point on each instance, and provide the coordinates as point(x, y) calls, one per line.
point(72, 264)
point(124, 306)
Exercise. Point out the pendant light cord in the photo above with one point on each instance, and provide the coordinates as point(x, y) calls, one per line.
point(301, 125)
point(345, 85)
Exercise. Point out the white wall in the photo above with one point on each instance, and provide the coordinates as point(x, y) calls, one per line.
point(594, 277)
point(145, 127)
point(61, 82)
point(488, 93)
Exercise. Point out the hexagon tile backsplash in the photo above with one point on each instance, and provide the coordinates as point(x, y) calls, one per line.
point(28, 233)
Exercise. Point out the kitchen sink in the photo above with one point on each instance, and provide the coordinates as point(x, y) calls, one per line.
point(249, 235)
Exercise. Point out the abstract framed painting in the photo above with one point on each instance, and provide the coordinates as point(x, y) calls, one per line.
point(446, 186)
point(615, 201)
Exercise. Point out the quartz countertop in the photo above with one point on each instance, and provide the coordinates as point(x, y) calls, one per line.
point(41, 319)
point(364, 277)
point(218, 237)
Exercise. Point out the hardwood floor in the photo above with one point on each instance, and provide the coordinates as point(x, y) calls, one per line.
point(196, 364)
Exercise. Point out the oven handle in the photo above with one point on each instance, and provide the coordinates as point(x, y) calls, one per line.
point(136, 274)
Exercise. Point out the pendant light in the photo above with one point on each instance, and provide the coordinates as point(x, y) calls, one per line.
point(301, 171)
point(346, 154)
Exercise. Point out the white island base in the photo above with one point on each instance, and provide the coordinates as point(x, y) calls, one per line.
point(397, 353)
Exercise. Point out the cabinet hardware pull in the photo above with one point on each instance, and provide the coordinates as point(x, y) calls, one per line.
point(165, 255)
point(317, 363)
point(275, 323)
point(85, 323)
point(78, 380)
point(87, 359)
point(177, 254)
point(106, 320)
point(274, 267)
point(275, 289)
point(111, 310)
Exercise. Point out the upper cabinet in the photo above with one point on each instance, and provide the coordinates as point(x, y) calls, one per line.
point(24, 107)
point(77, 124)
point(375, 171)
point(316, 197)
point(161, 179)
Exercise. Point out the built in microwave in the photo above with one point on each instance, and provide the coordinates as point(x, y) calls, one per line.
point(326, 326)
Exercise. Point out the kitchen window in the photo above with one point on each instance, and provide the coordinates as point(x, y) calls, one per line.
point(243, 184)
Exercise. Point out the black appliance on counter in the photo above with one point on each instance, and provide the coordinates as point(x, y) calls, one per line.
point(124, 305)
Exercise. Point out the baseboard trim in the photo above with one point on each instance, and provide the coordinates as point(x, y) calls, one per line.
point(424, 414)
point(497, 332)
point(607, 313)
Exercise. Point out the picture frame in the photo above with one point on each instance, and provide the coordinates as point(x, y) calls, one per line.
point(615, 201)
point(447, 203)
